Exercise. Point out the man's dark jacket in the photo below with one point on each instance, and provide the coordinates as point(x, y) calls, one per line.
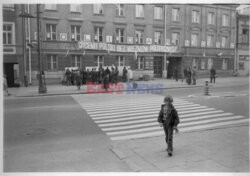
point(172, 119)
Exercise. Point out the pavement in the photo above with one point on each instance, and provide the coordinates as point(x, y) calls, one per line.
point(219, 150)
point(162, 83)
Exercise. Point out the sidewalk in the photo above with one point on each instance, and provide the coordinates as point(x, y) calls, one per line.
point(220, 150)
point(167, 84)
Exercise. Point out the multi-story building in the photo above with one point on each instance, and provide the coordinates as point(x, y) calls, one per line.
point(242, 46)
point(151, 39)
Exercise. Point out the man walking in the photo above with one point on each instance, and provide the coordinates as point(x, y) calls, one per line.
point(168, 119)
point(194, 75)
point(212, 74)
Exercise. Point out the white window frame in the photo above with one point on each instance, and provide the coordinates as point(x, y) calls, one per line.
point(51, 61)
point(225, 20)
point(224, 42)
point(50, 32)
point(141, 62)
point(195, 16)
point(98, 9)
point(77, 36)
point(203, 64)
point(119, 9)
point(211, 18)
point(119, 37)
point(121, 61)
point(175, 38)
point(224, 64)
point(195, 62)
point(176, 14)
point(75, 7)
point(139, 11)
point(12, 32)
point(210, 40)
point(98, 33)
point(100, 60)
point(194, 43)
point(158, 12)
point(139, 36)
point(157, 37)
point(50, 6)
point(76, 61)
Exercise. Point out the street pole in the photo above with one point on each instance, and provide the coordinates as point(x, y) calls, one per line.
point(24, 47)
point(28, 24)
point(236, 45)
point(42, 88)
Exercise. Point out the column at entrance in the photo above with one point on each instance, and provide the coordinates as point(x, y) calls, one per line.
point(164, 71)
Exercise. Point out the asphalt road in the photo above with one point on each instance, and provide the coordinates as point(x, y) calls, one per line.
point(57, 130)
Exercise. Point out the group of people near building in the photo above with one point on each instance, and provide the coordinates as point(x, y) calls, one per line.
point(190, 75)
point(101, 76)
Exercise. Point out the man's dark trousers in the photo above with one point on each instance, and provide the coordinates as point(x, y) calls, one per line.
point(168, 137)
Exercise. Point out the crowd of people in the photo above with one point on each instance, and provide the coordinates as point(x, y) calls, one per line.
point(100, 76)
point(190, 75)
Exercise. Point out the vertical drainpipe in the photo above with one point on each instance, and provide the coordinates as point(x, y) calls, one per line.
point(24, 47)
point(165, 33)
point(236, 45)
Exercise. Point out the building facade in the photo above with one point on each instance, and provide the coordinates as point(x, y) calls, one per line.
point(151, 39)
point(242, 47)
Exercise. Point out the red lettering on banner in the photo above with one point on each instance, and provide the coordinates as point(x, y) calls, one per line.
point(90, 87)
point(119, 87)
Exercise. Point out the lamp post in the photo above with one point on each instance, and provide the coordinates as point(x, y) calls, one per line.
point(42, 86)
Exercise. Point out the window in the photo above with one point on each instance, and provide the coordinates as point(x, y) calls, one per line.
point(50, 6)
point(120, 10)
point(194, 39)
point(195, 63)
point(52, 62)
point(175, 38)
point(175, 14)
point(157, 36)
point(158, 13)
point(225, 20)
point(195, 16)
point(98, 8)
point(224, 42)
point(224, 64)
point(8, 34)
point(51, 31)
point(138, 36)
point(139, 11)
point(75, 33)
point(210, 40)
point(76, 61)
point(211, 18)
point(203, 64)
point(120, 35)
point(210, 63)
point(121, 61)
point(98, 34)
point(75, 8)
point(100, 61)
point(140, 62)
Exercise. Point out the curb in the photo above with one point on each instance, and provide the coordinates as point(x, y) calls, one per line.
point(74, 93)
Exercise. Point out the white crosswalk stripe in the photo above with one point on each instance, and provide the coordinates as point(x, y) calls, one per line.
point(125, 116)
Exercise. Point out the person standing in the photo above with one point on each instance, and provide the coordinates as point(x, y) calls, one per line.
point(168, 119)
point(189, 74)
point(194, 75)
point(124, 74)
point(185, 74)
point(68, 77)
point(212, 74)
point(5, 85)
point(78, 79)
point(116, 74)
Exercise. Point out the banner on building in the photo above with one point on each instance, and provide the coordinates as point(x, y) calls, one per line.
point(126, 48)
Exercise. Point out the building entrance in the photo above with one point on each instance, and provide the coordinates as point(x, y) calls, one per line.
point(158, 67)
point(174, 62)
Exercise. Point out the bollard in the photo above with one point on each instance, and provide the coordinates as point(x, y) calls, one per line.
point(206, 90)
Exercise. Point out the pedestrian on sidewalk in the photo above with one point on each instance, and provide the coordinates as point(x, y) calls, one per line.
point(194, 75)
point(168, 119)
point(189, 75)
point(5, 85)
point(212, 74)
point(78, 79)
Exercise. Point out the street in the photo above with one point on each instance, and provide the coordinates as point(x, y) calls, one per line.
point(86, 132)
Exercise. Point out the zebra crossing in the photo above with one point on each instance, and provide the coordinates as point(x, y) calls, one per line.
point(125, 116)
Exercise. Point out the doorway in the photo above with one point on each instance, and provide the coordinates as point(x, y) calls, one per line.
point(158, 67)
point(174, 62)
point(12, 73)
